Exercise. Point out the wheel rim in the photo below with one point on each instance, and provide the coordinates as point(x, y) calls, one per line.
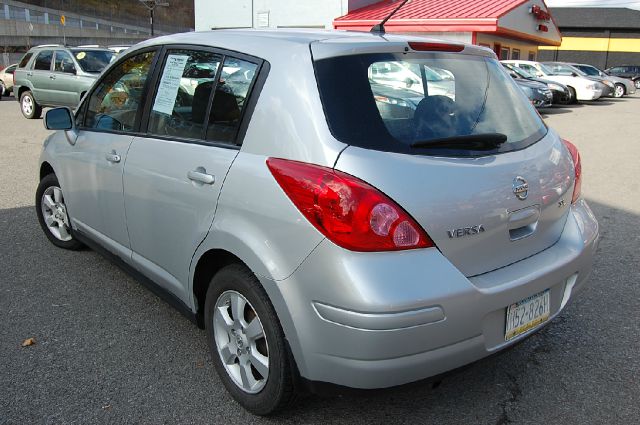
point(638, 84)
point(27, 105)
point(241, 342)
point(619, 91)
point(54, 213)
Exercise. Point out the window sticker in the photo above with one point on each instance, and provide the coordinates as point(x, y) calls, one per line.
point(169, 84)
point(81, 56)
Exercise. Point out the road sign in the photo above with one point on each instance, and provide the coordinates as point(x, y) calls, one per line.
point(62, 20)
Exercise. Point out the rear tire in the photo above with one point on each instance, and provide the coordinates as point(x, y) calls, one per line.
point(53, 216)
point(619, 91)
point(29, 107)
point(230, 336)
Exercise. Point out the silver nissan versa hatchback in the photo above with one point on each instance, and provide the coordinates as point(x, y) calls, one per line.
point(323, 221)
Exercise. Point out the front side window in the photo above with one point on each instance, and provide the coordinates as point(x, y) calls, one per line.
point(11, 69)
point(230, 99)
point(183, 95)
point(114, 103)
point(64, 63)
point(453, 96)
point(43, 60)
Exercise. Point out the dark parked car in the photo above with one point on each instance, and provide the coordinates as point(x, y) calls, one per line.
point(561, 93)
point(626, 71)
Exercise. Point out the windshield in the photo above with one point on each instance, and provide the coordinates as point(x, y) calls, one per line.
point(93, 60)
point(521, 72)
point(389, 101)
point(589, 70)
point(546, 69)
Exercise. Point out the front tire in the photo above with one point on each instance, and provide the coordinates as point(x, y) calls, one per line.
point(52, 214)
point(247, 343)
point(619, 91)
point(29, 107)
point(574, 96)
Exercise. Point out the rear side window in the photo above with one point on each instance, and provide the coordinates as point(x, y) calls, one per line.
point(43, 60)
point(390, 101)
point(184, 93)
point(230, 98)
point(114, 103)
point(25, 60)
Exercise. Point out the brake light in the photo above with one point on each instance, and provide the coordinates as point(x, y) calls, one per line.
point(577, 165)
point(435, 47)
point(348, 211)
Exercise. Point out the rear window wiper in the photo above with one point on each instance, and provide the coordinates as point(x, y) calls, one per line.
point(476, 142)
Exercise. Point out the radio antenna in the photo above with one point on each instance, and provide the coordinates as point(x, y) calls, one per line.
point(379, 28)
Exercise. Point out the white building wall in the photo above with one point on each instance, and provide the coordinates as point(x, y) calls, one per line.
point(217, 14)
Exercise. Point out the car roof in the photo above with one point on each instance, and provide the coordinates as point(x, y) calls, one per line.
point(264, 42)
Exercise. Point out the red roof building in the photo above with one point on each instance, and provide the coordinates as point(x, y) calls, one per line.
point(512, 28)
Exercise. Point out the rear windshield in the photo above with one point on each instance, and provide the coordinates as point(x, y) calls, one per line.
point(390, 101)
point(93, 60)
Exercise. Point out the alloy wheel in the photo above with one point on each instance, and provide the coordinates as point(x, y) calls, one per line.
point(241, 342)
point(55, 214)
point(619, 91)
point(27, 105)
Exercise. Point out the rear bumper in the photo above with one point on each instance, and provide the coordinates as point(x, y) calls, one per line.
point(373, 320)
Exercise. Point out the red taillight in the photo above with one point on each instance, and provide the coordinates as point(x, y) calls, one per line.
point(435, 47)
point(577, 165)
point(348, 211)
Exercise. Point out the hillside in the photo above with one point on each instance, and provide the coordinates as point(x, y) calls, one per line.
point(177, 17)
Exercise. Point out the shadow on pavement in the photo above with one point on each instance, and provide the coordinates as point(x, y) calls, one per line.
point(108, 350)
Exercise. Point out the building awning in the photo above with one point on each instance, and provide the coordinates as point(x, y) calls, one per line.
point(511, 18)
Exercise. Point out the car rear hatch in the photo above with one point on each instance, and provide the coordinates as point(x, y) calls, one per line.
point(485, 204)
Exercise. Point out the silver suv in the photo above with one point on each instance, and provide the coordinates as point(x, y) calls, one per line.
point(320, 225)
point(55, 75)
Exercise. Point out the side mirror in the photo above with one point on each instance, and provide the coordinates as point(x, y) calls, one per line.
point(58, 119)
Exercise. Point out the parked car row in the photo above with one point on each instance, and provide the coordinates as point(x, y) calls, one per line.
point(582, 82)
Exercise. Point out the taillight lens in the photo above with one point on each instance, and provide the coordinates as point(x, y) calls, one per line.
point(348, 211)
point(577, 165)
point(435, 47)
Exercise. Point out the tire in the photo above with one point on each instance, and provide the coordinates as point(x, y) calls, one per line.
point(3, 89)
point(29, 107)
point(574, 96)
point(50, 208)
point(229, 336)
point(619, 91)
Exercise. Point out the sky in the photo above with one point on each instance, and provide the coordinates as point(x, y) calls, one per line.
point(594, 3)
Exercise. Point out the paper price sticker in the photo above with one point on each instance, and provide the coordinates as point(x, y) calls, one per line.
point(169, 84)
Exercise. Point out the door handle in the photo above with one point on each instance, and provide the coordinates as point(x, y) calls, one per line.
point(199, 175)
point(113, 157)
point(29, 74)
point(53, 77)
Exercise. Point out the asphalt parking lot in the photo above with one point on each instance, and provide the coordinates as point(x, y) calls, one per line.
point(109, 351)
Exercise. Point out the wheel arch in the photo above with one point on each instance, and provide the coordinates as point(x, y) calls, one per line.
point(209, 263)
point(46, 169)
point(23, 89)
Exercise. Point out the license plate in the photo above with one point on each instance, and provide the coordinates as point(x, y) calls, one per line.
point(527, 314)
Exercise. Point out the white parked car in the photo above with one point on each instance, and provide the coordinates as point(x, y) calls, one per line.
point(581, 88)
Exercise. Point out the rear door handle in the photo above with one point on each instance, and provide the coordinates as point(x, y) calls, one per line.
point(52, 76)
point(29, 74)
point(200, 175)
point(113, 157)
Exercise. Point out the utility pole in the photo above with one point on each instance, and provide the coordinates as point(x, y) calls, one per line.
point(151, 5)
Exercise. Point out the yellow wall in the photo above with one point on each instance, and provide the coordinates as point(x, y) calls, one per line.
point(597, 44)
point(511, 43)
